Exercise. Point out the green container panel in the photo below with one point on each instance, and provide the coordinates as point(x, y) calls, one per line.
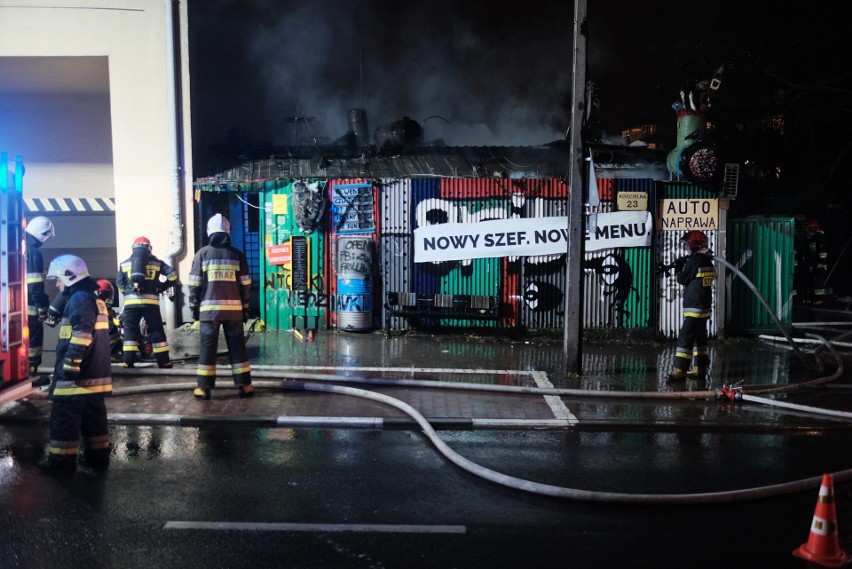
point(283, 308)
point(762, 249)
point(637, 306)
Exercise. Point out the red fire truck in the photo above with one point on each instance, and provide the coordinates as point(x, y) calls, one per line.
point(14, 335)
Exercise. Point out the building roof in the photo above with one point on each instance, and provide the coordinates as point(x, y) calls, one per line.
point(546, 161)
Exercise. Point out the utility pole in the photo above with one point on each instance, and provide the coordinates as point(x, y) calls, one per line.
point(573, 341)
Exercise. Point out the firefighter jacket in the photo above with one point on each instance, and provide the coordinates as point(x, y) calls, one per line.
point(219, 283)
point(83, 363)
point(139, 279)
point(817, 255)
point(697, 277)
point(37, 299)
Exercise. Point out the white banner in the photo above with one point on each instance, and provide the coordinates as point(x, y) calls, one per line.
point(526, 237)
point(621, 229)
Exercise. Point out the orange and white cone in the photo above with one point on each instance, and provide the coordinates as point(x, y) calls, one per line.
point(823, 545)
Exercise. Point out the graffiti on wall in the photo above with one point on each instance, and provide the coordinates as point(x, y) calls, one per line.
point(616, 283)
point(279, 284)
point(541, 280)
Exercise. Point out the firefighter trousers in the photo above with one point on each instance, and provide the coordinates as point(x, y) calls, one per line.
point(131, 347)
point(692, 344)
point(237, 353)
point(72, 417)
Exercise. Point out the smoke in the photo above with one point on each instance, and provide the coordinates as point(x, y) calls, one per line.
point(287, 71)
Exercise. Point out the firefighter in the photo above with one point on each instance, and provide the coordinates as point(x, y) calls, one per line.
point(142, 278)
point(219, 285)
point(82, 376)
point(39, 229)
point(106, 292)
point(696, 273)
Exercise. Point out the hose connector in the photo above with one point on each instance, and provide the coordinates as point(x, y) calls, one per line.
point(733, 392)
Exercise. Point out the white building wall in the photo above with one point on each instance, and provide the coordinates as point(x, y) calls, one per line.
point(88, 84)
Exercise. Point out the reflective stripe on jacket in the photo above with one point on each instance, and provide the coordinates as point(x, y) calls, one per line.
point(219, 282)
point(150, 288)
point(83, 364)
point(36, 297)
point(697, 278)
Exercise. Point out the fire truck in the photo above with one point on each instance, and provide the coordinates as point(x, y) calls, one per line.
point(14, 335)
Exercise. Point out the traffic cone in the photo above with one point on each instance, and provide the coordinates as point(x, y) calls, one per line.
point(823, 546)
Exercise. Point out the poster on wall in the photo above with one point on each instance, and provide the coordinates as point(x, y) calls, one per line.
point(527, 237)
point(352, 208)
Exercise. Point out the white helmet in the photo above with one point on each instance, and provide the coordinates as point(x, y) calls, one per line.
point(41, 228)
point(218, 224)
point(68, 269)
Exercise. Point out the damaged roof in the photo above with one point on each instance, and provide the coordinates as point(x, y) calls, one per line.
point(546, 161)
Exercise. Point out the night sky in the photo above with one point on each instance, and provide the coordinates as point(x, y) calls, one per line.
point(472, 72)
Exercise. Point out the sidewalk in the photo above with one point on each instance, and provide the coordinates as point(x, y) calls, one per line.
point(459, 381)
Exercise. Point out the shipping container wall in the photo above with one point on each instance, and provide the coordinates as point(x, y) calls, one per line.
point(763, 250)
point(360, 246)
point(617, 282)
point(459, 201)
point(294, 283)
point(396, 246)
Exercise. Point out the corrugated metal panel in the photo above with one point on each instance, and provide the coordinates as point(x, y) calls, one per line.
point(281, 307)
point(618, 283)
point(534, 287)
point(531, 288)
point(396, 254)
point(639, 289)
point(638, 299)
point(668, 247)
point(763, 249)
point(482, 199)
point(670, 301)
point(600, 281)
point(682, 190)
point(358, 197)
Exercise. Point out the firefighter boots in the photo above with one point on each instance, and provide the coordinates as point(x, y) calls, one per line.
point(202, 393)
point(677, 375)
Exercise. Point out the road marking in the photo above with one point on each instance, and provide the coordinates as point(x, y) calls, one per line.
point(403, 369)
point(359, 528)
point(557, 406)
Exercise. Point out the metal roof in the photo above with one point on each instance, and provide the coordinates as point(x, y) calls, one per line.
point(547, 161)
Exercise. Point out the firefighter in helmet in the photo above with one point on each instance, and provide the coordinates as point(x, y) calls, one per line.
point(696, 273)
point(142, 278)
point(106, 292)
point(82, 375)
point(219, 285)
point(39, 229)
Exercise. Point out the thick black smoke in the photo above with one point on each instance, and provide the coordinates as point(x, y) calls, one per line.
point(489, 73)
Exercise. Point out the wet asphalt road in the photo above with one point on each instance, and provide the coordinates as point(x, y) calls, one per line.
point(180, 497)
point(231, 493)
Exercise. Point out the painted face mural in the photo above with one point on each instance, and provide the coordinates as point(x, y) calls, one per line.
point(542, 297)
point(616, 282)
